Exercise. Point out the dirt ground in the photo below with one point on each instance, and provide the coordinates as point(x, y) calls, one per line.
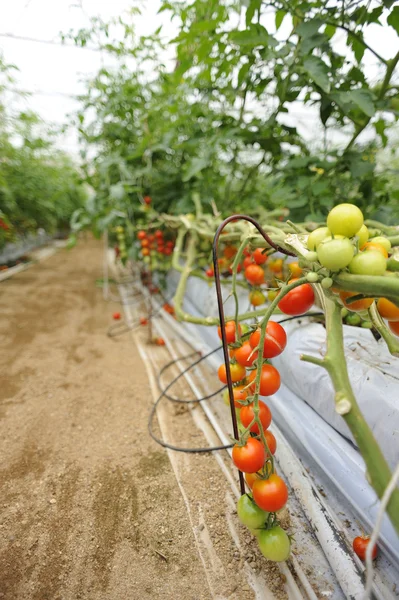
point(89, 505)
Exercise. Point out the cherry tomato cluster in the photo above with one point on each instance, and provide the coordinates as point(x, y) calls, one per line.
point(253, 453)
point(345, 244)
point(154, 243)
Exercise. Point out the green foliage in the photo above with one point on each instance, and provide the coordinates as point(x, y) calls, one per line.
point(215, 121)
point(39, 185)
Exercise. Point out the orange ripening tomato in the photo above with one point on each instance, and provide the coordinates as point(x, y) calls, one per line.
point(270, 380)
point(271, 441)
point(141, 235)
point(254, 274)
point(256, 298)
point(358, 305)
point(276, 265)
point(250, 478)
point(237, 371)
point(245, 355)
point(394, 327)
point(259, 256)
point(145, 243)
point(295, 269)
point(230, 329)
point(388, 310)
point(229, 251)
point(375, 246)
point(239, 393)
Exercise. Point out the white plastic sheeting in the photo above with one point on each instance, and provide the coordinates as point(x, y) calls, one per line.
point(373, 372)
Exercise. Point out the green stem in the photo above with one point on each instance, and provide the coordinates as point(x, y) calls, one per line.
point(369, 286)
point(378, 472)
point(391, 340)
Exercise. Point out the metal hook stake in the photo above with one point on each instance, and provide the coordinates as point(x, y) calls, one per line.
point(221, 313)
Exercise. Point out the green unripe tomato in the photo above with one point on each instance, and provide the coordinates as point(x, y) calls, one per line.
point(311, 256)
point(146, 260)
point(274, 544)
point(317, 236)
point(312, 277)
point(383, 241)
point(119, 229)
point(249, 513)
point(244, 328)
point(353, 319)
point(345, 219)
point(363, 235)
point(370, 262)
point(367, 325)
point(335, 254)
point(393, 263)
point(326, 283)
point(344, 312)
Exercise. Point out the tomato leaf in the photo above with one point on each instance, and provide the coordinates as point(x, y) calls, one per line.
point(364, 100)
point(280, 14)
point(318, 71)
point(393, 19)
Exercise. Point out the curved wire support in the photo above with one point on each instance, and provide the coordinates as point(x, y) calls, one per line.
point(221, 312)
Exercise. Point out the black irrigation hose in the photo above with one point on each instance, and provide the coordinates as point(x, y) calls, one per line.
point(180, 401)
point(164, 393)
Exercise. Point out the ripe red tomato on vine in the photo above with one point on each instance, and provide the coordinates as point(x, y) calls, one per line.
point(298, 300)
point(230, 329)
point(270, 380)
point(254, 274)
point(249, 457)
point(270, 494)
point(275, 340)
point(147, 200)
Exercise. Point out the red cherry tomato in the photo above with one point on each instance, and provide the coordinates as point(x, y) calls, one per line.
point(230, 329)
point(116, 316)
point(297, 301)
point(271, 441)
point(360, 544)
point(270, 494)
point(141, 235)
point(250, 457)
point(209, 272)
point(243, 355)
point(269, 380)
point(147, 200)
point(247, 415)
point(254, 274)
point(247, 261)
point(275, 340)
point(259, 256)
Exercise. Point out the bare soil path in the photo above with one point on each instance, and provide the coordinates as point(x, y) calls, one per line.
point(86, 498)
